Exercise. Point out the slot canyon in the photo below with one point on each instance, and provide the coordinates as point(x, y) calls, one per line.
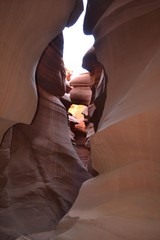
point(79, 155)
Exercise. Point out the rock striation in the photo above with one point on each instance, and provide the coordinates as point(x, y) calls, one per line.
point(122, 202)
point(26, 29)
point(81, 89)
point(44, 172)
point(40, 171)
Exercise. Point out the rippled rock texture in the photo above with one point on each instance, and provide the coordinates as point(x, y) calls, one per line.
point(40, 171)
point(26, 28)
point(122, 202)
point(81, 89)
point(44, 173)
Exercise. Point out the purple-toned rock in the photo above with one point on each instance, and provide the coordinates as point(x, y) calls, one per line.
point(26, 29)
point(50, 72)
point(43, 172)
point(81, 89)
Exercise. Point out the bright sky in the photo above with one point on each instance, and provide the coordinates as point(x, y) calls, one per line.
point(76, 44)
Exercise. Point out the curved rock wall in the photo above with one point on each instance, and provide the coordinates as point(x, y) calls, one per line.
point(43, 174)
point(40, 172)
point(26, 28)
point(50, 72)
point(122, 202)
point(99, 85)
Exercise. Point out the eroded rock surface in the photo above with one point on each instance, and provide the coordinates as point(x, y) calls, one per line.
point(26, 28)
point(40, 172)
point(44, 173)
point(122, 202)
point(81, 89)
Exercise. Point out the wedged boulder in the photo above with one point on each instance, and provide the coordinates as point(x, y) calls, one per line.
point(44, 172)
point(81, 89)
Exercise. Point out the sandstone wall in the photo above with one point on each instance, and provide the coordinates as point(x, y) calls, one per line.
point(123, 201)
point(26, 28)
